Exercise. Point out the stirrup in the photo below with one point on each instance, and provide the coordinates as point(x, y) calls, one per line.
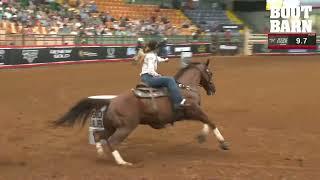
point(178, 107)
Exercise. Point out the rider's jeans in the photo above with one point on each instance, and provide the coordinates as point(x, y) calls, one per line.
point(164, 81)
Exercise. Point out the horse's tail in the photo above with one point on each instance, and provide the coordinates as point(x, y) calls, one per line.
point(80, 112)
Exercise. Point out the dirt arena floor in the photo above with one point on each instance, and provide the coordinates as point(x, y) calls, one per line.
point(268, 108)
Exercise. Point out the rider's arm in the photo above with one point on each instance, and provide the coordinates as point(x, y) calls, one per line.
point(160, 59)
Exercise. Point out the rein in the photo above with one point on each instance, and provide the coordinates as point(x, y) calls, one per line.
point(186, 87)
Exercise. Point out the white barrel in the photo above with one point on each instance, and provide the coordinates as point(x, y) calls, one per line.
point(91, 137)
point(96, 119)
point(186, 58)
point(96, 123)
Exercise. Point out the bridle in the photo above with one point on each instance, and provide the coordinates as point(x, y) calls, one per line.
point(189, 88)
point(186, 87)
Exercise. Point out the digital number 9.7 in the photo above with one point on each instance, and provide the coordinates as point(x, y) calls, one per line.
point(301, 40)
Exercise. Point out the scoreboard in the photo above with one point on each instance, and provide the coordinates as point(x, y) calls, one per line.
point(292, 41)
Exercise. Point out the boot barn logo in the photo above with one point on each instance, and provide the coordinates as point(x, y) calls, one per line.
point(288, 19)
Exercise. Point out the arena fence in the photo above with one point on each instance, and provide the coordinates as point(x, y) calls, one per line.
point(16, 55)
point(47, 40)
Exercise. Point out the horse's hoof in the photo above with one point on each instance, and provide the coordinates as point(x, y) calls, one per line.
point(125, 164)
point(100, 154)
point(201, 138)
point(138, 165)
point(224, 145)
point(131, 165)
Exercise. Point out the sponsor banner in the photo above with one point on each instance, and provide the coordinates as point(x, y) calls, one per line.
point(30, 55)
point(194, 48)
point(69, 53)
point(131, 51)
point(110, 52)
point(23, 56)
point(115, 52)
point(169, 50)
point(2, 56)
point(200, 48)
point(180, 49)
point(165, 51)
point(228, 49)
point(87, 53)
point(61, 54)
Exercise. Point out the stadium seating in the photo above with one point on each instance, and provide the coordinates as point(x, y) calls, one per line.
point(207, 19)
point(119, 8)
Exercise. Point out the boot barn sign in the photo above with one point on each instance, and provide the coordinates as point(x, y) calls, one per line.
point(290, 19)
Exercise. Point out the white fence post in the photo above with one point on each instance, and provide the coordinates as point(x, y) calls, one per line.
point(246, 49)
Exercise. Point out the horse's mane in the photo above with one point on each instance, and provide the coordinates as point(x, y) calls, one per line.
point(183, 70)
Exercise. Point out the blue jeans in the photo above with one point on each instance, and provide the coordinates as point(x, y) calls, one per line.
point(164, 81)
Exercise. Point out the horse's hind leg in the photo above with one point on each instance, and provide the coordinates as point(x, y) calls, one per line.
point(115, 140)
point(202, 137)
point(100, 138)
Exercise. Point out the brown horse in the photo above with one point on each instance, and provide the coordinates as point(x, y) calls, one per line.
point(126, 111)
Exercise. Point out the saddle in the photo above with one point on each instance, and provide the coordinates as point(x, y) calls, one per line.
point(142, 90)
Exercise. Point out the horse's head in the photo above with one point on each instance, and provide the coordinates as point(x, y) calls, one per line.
point(206, 78)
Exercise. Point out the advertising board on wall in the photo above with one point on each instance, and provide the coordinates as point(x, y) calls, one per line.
point(2, 56)
point(13, 56)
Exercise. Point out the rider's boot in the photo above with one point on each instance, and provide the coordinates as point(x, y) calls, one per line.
point(181, 106)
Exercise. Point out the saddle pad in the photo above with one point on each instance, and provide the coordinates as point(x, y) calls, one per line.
point(150, 92)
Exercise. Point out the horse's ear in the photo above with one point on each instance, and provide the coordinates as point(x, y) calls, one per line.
point(208, 62)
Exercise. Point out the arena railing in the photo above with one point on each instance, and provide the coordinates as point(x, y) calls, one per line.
point(44, 40)
point(168, 3)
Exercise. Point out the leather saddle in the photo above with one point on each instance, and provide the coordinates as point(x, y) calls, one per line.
point(142, 90)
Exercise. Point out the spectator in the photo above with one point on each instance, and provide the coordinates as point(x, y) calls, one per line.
point(52, 31)
point(68, 20)
point(93, 7)
point(196, 34)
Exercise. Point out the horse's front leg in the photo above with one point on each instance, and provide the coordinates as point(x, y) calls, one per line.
point(207, 127)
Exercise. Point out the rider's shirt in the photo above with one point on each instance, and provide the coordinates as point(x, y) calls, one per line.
point(150, 64)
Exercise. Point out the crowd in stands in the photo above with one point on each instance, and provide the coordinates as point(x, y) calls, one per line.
point(49, 17)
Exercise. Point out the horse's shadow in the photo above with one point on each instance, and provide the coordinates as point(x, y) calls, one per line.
point(187, 150)
point(163, 153)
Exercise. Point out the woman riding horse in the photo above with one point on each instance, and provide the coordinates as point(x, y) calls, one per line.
point(124, 113)
point(153, 79)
